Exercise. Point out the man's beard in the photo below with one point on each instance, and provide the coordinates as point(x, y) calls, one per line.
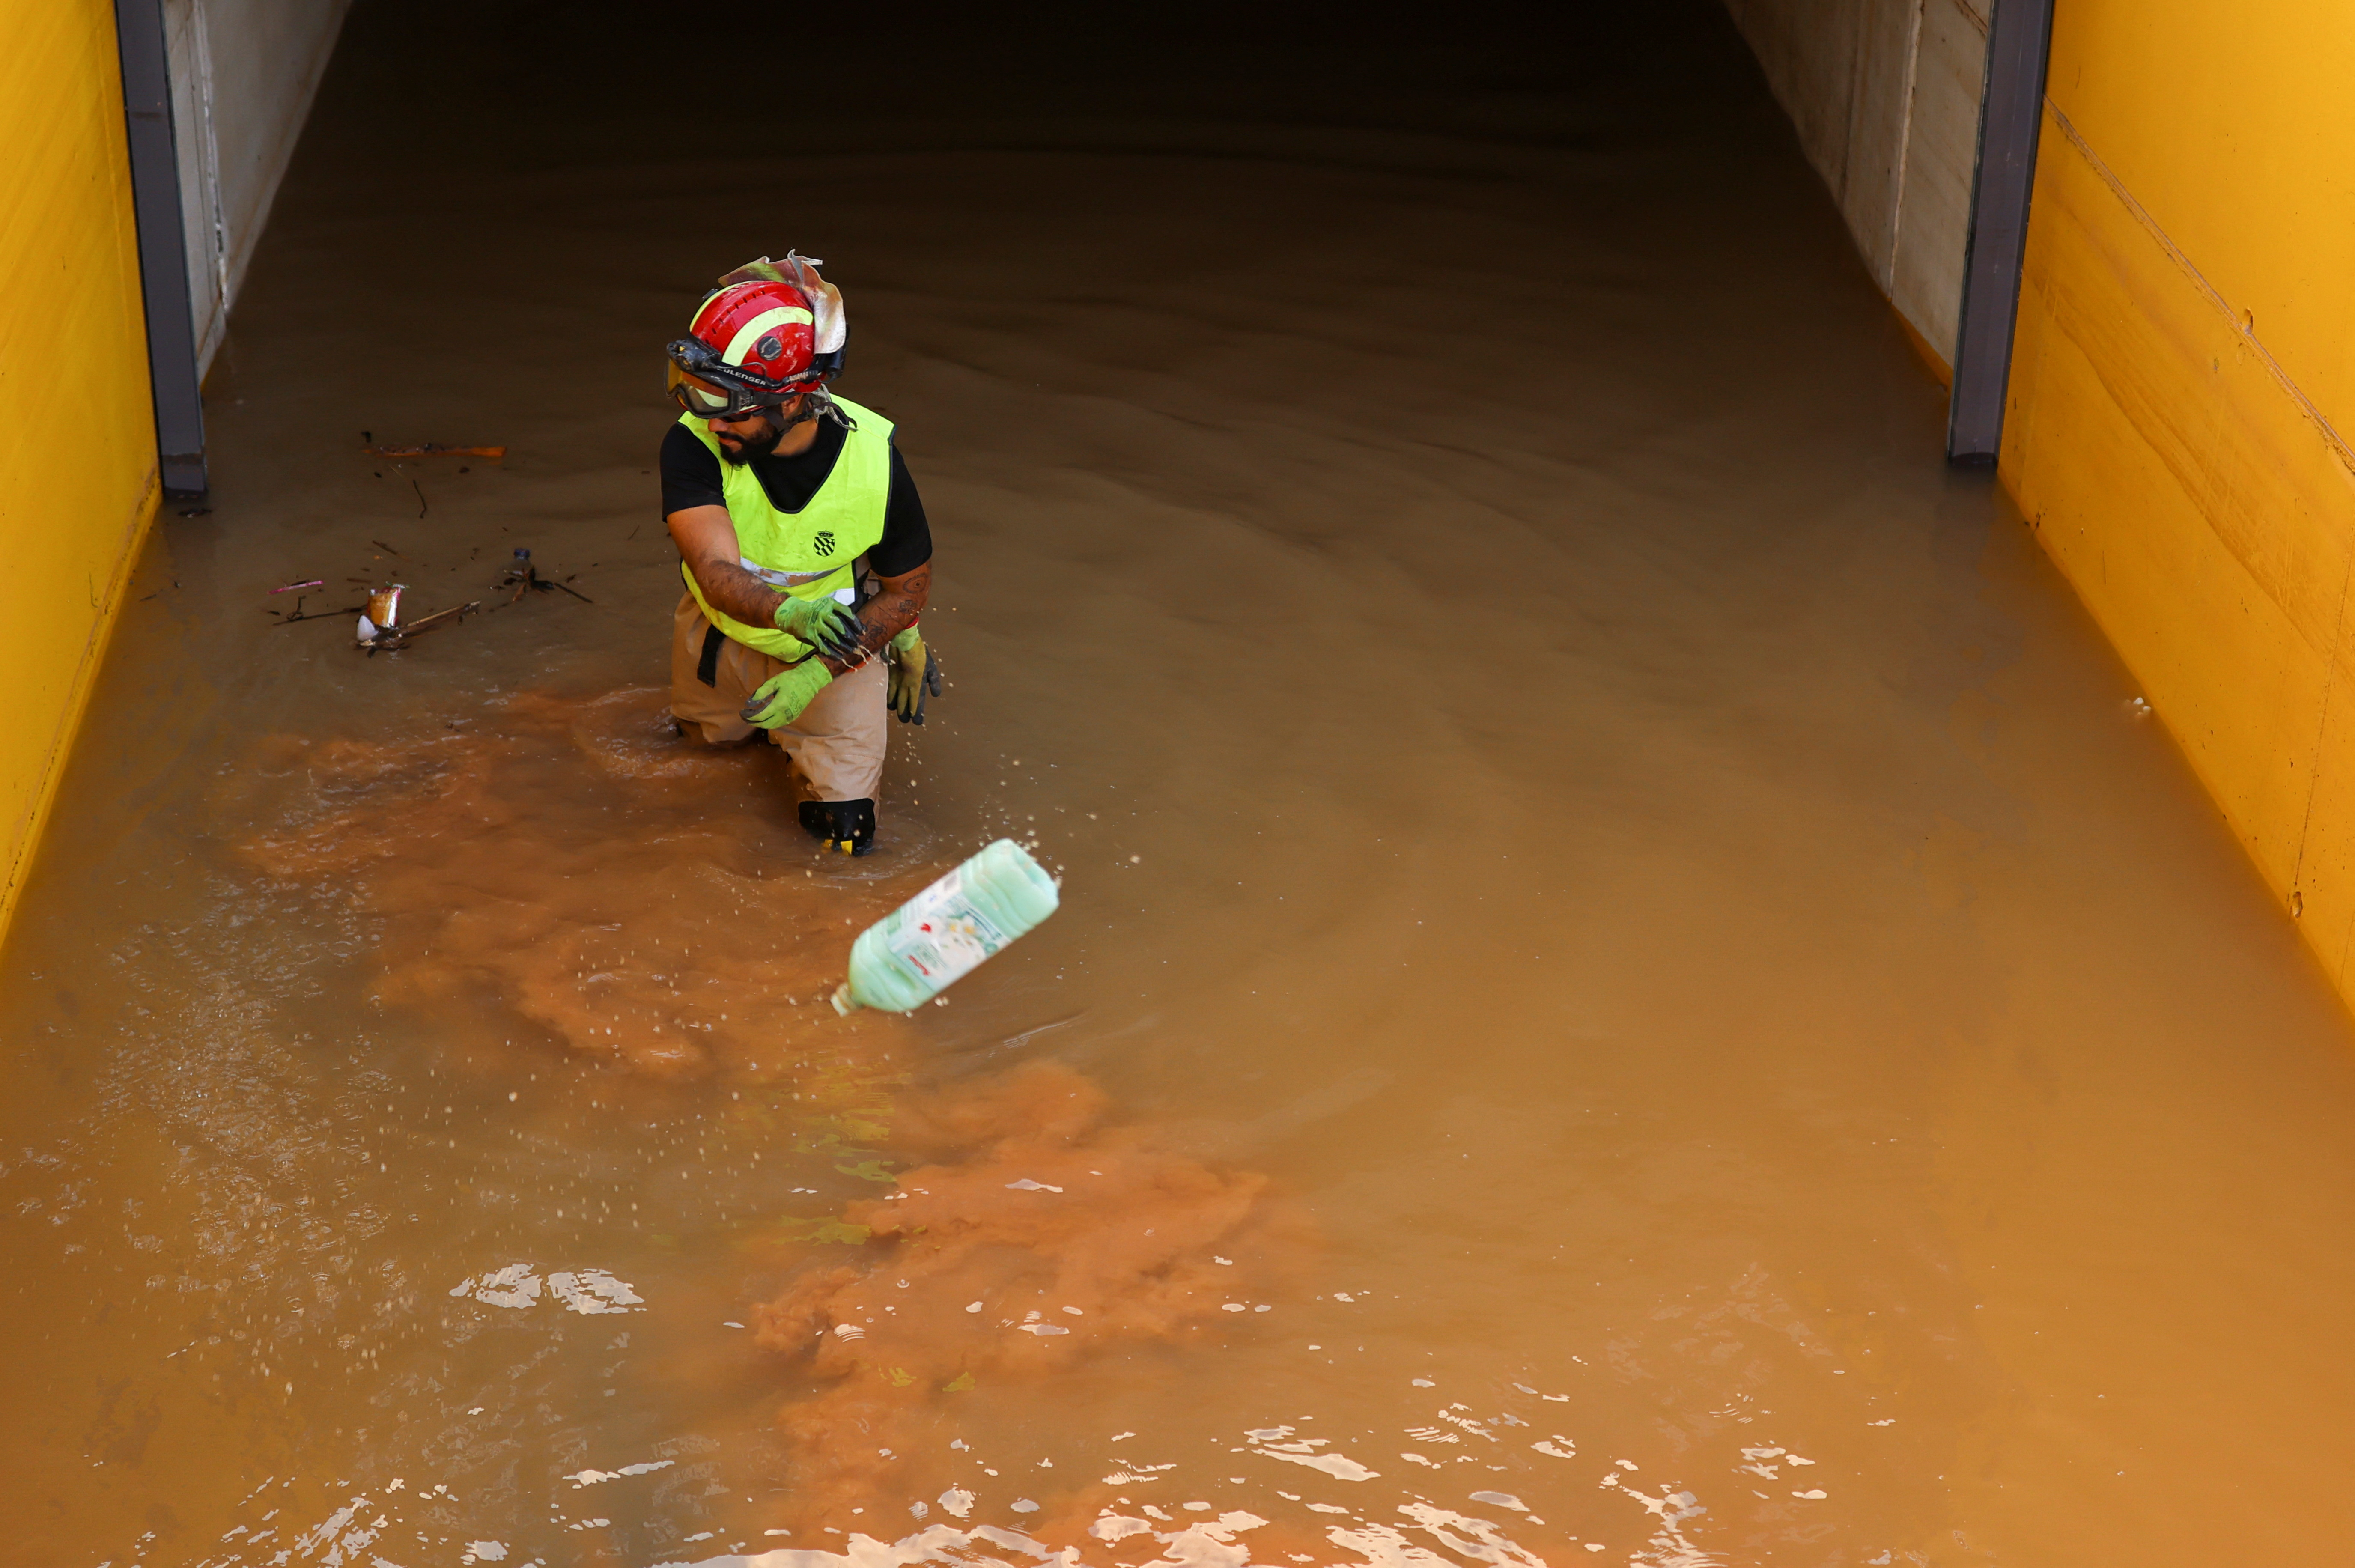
point(743, 450)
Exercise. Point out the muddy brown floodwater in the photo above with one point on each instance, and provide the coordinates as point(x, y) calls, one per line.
point(1630, 987)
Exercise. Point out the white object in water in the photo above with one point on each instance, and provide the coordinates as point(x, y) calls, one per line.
point(944, 933)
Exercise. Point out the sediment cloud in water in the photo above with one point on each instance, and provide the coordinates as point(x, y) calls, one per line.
point(634, 897)
point(1031, 1237)
point(568, 864)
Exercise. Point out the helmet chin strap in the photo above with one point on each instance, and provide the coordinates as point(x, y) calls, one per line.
point(817, 403)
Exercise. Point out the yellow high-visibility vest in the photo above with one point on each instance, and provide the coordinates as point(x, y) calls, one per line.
point(807, 554)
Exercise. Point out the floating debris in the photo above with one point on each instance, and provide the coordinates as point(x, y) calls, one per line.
point(287, 618)
point(525, 577)
point(380, 629)
point(436, 449)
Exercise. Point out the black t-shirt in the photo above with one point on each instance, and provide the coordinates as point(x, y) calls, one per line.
point(691, 477)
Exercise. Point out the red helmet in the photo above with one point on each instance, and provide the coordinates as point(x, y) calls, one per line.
point(770, 330)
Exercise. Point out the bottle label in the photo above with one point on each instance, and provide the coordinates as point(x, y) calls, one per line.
point(939, 934)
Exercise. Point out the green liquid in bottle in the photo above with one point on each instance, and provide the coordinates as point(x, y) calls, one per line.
point(941, 935)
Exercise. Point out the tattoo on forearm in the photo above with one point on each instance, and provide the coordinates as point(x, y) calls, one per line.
point(729, 588)
point(737, 592)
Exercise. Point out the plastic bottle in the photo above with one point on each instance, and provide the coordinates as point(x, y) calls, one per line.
point(941, 935)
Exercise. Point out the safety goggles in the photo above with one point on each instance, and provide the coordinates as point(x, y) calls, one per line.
point(706, 404)
point(708, 387)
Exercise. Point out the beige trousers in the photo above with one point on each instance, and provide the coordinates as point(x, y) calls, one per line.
point(837, 745)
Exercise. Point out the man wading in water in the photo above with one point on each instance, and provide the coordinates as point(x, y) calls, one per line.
point(803, 545)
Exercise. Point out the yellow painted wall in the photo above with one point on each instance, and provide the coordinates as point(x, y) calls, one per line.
point(2185, 360)
point(77, 481)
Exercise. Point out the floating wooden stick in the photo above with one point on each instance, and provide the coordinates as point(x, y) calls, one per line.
point(392, 639)
point(301, 614)
point(436, 449)
point(414, 627)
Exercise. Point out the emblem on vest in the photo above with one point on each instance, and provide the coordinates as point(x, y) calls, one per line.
point(825, 541)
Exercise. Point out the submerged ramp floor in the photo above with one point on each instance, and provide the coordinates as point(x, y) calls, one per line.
point(1631, 986)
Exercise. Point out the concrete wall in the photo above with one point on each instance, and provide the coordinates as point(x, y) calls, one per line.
point(243, 75)
point(2183, 371)
point(1885, 94)
point(77, 479)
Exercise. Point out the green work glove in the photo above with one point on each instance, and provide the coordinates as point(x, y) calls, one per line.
point(915, 672)
point(827, 625)
point(784, 695)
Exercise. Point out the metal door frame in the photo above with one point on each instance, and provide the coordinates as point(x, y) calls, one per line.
point(162, 247)
point(2011, 113)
